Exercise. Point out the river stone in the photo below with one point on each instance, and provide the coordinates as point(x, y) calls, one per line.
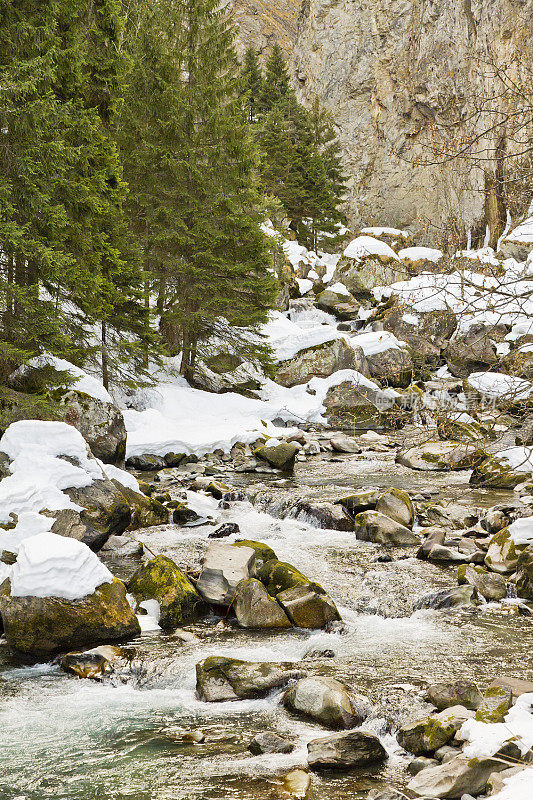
point(162, 580)
point(270, 742)
point(517, 686)
point(279, 575)
point(454, 693)
point(449, 598)
point(424, 736)
point(105, 509)
point(146, 462)
point(524, 574)
point(263, 552)
point(297, 783)
point(496, 702)
point(306, 608)
point(440, 456)
point(84, 665)
point(392, 367)
point(223, 568)
point(502, 554)
point(344, 444)
point(454, 778)
point(145, 511)
point(327, 701)
point(280, 456)
point(361, 500)
point(321, 361)
point(495, 520)
point(40, 627)
point(396, 504)
point(255, 608)
point(371, 526)
point(345, 751)
point(489, 585)
point(440, 553)
point(496, 473)
point(434, 535)
point(219, 678)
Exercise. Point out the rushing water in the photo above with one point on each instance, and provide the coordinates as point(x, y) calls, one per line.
point(71, 739)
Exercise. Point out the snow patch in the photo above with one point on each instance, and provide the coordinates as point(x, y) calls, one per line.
point(364, 246)
point(420, 254)
point(84, 383)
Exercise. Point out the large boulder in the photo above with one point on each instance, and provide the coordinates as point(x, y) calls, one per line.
point(396, 504)
point(321, 361)
point(424, 736)
point(345, 751)
point(392, 367)
point(472, 351)
point(223, 568)
point(504, 470)
point(366, 263)
point(162, 580)
point(307, 608)
point(459, 776)
point(255, 608)
point(371, 526)
point(489, 585)
point(441, 456)
point(454, 693)
point(358, 405)
point(338, 301)
point(278, 576)
point(524, 574)
point(502, 554)
point(326, 701)
point(280, 455)
point(219, 679)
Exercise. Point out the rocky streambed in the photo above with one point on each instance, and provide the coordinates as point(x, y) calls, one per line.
point(144, 733)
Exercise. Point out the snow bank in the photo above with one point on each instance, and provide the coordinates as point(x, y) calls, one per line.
point(420, 254)
point(56, 566)
point(517, 787)
point(121, 476)
point(517, 458)
point(364, 246)
point(287, 338)
point(304, 285)
point(487, 738)
point(84, 383)
point(523, 233)
point(495, 385)
point(522, 530)
point(339, 288)
point(39, 470)
point(376, 342)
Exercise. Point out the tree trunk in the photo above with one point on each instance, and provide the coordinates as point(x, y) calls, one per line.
point(105, 357)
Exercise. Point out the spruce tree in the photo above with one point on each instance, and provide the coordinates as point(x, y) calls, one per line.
point(253, 84)
point(191, 166)
point(276, 85)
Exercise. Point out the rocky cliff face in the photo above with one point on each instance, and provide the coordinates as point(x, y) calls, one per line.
point(406, 80)
point(262, 23)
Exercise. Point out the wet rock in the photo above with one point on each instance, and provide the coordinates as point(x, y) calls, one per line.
point(162, 580)
point(454, 693)
point(361, 500)
point(449, 598)
point(441, 554)
point(263, 552)
point(452, 515)
point(524, 574)
point(270, 742)
point(84, 665)
point(396, 504)
point(146, 462)
point(321, 361)
point(307, 608)
point(105, 510)
point(455, 778)
point(145, 511)
point(371, 526)
point(255, 608)
point(185, 516)
point(517, 686)
point(423, 737)
point(441, 456)
point(496, 473)
point(489, 585)
point(40, 627)
point(280, 456)
point(219, 678)
point(496, 702)
point(222, 531)
point(345, 751)
point(327, 701)
point(297, 783)
point(342, 443)
point(223, 568)
point(434, 535)
point(279, 575)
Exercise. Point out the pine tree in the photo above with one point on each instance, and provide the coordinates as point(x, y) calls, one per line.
point(253, 84)
point(191, 165)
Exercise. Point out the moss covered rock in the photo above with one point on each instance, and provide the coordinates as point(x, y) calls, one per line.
point(502, 554)
point(396, 504)
point(255, 608)
point(496, 702)
point(40, 627)
point(371, 526)
point(280, 456)
point(162, 580)
point(219, 678)
point(424, 736)
point(441, 456)
point(307, 608)
point(279, 575)
point(524, 574)
point(263, 552)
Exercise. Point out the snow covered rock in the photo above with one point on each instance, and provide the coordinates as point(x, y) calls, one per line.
point(86, 404)
point(223, 568)
point(160, 579)
point(433, 456)
point(504, 470)
point(345, 751)
point(420, 258)
point(519, 242)
point(320, 361)
point(393, 367)
point(60, 596)
point(255, 608)
point(424, 332)
point(505, 390)
point(326, 701)
point(358, 403)
point(219, 679)
point(367, 265)
point(363, 247)
point(339, 301)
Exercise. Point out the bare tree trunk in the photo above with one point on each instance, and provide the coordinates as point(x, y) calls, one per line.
point(105, 357)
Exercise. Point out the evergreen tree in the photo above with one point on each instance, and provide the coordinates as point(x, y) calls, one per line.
point(276, 85)
point(253, 84)
point(191, 165)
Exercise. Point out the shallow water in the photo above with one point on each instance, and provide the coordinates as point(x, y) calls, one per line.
point(69, 739)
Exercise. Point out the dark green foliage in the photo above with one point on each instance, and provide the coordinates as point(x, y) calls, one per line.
point(253, 84)
point(191, 163)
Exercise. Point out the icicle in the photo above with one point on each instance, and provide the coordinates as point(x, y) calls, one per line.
point(505, 230)
point(487, 237)
point(469, 240)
